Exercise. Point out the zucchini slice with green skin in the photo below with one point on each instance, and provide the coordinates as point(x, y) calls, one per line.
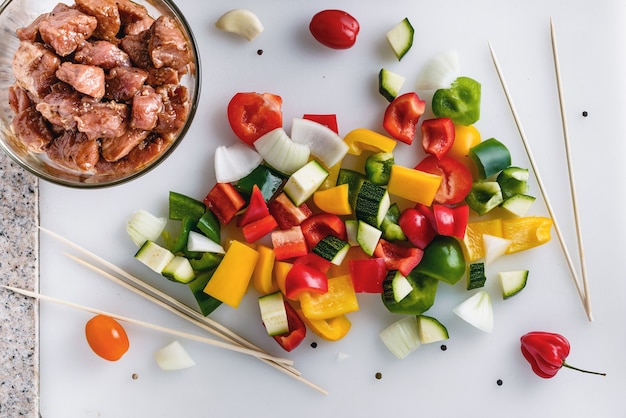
point(274, 314)
point(518, 204)
point(179, 270)
point(430, 330)
point(372, 204)
point(367, 237)
point(390, 84)
point(304, 182)
point(400, 38)
point(354, 179)
point(512, 282)
point(154, 256)
point(476, 276)
point(332, 249)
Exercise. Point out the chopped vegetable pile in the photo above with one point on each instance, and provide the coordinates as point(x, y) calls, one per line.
point(320, 218)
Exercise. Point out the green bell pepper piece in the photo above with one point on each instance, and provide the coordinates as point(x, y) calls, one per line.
point(207, 261)
point(210, 226)
point(268, 180)
point(513, 181)
point(180, 244)
point(181, 206)
point(206, 303)
point(484, 196)
point(390, 227)
point(491, 156)
point(355, 181)
point(378, 168)
point(443, 259)
point(419, 299)
point(460, 102)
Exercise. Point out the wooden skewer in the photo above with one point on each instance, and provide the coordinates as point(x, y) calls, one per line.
point(149, 325)
point(542, 188)
point(557, 70)
point(143, 289)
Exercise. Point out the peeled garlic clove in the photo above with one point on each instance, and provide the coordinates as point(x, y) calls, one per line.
point(241, 22)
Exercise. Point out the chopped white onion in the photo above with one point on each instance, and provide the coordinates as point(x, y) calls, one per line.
point(439, 72)
point(401, 337)
point(477, 311)
point(144, 226)
point(235, 162)
point(173, 357)
point(201, 243)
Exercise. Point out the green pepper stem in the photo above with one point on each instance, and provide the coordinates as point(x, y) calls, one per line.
point(582, 370)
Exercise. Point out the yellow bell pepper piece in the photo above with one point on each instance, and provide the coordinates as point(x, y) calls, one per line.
point(361, 139)
point(332, 329)
point(232, 276)
point(333, 175)
point(465, 137)
point(339, 300)
point(526, 232)
point(281, 268)
point(414, 185)
point(473, 239)
point(334, 200)
point(262, 277)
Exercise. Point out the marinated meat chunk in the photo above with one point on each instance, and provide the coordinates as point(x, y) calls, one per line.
point(147, 104)
point(35, 67)
point(114, 149)
point(138, 26)
point(86, 79)
point(175, 109)
point(107, 14)
point(31, 128)
point(136, 46)
point(130, 11)
point(122, 83)
point(74, 150)
point(30, 32)
point(65, 29)
point(102, 119)
point(102, 54)
point(18, 99)
point(167, 45)
point(140, 156)
point(60, 107)
point(160, 76)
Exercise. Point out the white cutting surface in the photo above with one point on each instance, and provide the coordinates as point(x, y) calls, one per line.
point(313, 79)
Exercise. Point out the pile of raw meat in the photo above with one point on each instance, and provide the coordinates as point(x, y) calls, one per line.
point(98, 85)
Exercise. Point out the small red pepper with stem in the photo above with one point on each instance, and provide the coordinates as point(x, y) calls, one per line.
point(546, 352)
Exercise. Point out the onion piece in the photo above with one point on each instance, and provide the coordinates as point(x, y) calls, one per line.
point(173, 357)
point(201, 243)
point(144, 226)
point(235, 162)
point(280, 152)
point(401, 337)
point(494, 247)
point(323, 142)
point(477, 311)
point(439, 72)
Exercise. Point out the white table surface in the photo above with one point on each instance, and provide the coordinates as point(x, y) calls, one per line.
point(312, 79)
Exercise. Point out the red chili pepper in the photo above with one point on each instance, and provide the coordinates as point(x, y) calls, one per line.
point(546, 352)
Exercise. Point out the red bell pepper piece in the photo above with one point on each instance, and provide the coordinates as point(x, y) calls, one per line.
point(402, 115)
point(456, 180)
point(304, 278)
point(289, 243)
point(224, 201)
point(257, 208)
point(368, 275)
point(437, 136)
point(256, 230)
point(398, 257)
point(329, 121)
point(314, 260)
point(451, 221)
point(286, 213)
point(546, 352)
point(297, 330)
point(417, 227)
point(320, 225)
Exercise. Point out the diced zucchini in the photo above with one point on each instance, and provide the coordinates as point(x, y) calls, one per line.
point(274, 314)
point(390, 227)
point(354, 179)
point(401, 337)
point(367, 237)
point(179, 270)
point(332, 249)
point(372, 204)
point(430, 330)
point(144, 226)
point(476, 276)
point(390, 83)
point(512, 282)
point(518, 204)
point(400, 286)
point(400, 38)
point(304, 182)
point(154, 256)
point(378, 168)
point(352, 227)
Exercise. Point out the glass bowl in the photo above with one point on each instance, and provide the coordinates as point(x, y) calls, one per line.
point(15, 14)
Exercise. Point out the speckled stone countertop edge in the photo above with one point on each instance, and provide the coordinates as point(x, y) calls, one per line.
point(19, 267)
